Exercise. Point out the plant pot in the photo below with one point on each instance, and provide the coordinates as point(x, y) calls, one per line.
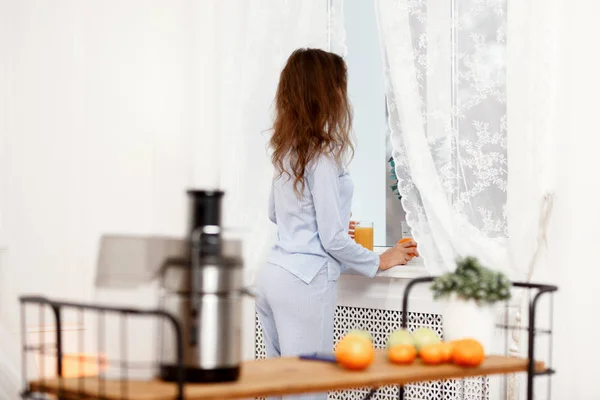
point(467, 319)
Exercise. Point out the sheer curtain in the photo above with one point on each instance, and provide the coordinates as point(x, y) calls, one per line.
point(445, 78)
point(254, 40)
point(233, 99)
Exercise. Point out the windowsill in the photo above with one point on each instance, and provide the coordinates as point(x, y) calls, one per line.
point(414, 269)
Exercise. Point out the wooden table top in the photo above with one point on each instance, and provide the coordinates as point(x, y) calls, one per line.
point(282, 376)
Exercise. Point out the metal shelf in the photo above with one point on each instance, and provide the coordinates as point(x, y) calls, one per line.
point(124, 387)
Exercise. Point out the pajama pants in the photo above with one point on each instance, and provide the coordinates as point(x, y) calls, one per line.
point(297, 318)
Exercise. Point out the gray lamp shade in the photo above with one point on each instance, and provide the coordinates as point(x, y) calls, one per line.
point(129, 261)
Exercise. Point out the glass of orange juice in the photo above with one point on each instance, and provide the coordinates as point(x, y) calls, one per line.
point(363, 234)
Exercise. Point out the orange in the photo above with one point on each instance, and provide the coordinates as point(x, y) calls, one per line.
point(447, 350)
point(402, 354)
point(404, 240)
point(468, 353)
point(455, 342)
point(432, 354)
point(354, 352)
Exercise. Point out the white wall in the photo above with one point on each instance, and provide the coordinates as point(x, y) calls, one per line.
point(97, 132)
point(98, 107)
point(575, 225)
point(4, 85)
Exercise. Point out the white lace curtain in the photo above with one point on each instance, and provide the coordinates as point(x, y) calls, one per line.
point(451, 76)
point(446, 95)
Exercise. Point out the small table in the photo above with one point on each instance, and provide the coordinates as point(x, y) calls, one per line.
point(279, 376)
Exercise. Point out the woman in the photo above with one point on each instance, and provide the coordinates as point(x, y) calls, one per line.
point(310, 202)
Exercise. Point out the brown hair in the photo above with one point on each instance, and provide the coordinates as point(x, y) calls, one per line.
point(313, 115)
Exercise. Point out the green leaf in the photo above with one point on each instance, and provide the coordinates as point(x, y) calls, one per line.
point(473, 281)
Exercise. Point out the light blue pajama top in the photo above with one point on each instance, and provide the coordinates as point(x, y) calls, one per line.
point(312, 231)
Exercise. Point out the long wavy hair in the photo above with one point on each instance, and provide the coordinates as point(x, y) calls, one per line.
point(313, 115)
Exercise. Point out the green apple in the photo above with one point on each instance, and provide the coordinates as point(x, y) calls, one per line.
point(361, 333)
point(425, 336)
point(399, 337)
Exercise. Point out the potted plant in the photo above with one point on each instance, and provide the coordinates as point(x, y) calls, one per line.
point(470, 294)
point(394, 178)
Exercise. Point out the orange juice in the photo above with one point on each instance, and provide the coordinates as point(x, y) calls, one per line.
point(363, 235)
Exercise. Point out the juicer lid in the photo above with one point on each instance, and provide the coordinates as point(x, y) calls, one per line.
point(207, 193)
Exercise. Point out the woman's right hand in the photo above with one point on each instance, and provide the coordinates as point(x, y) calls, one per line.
point(400, 254)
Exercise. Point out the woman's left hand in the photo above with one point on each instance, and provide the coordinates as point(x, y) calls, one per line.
point(351, 229)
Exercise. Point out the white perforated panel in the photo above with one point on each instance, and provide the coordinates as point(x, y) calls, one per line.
point(381, 323)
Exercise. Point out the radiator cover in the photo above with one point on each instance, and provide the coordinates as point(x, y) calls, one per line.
point(381, 323)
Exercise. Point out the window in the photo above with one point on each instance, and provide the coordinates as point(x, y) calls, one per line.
point(459, 57)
